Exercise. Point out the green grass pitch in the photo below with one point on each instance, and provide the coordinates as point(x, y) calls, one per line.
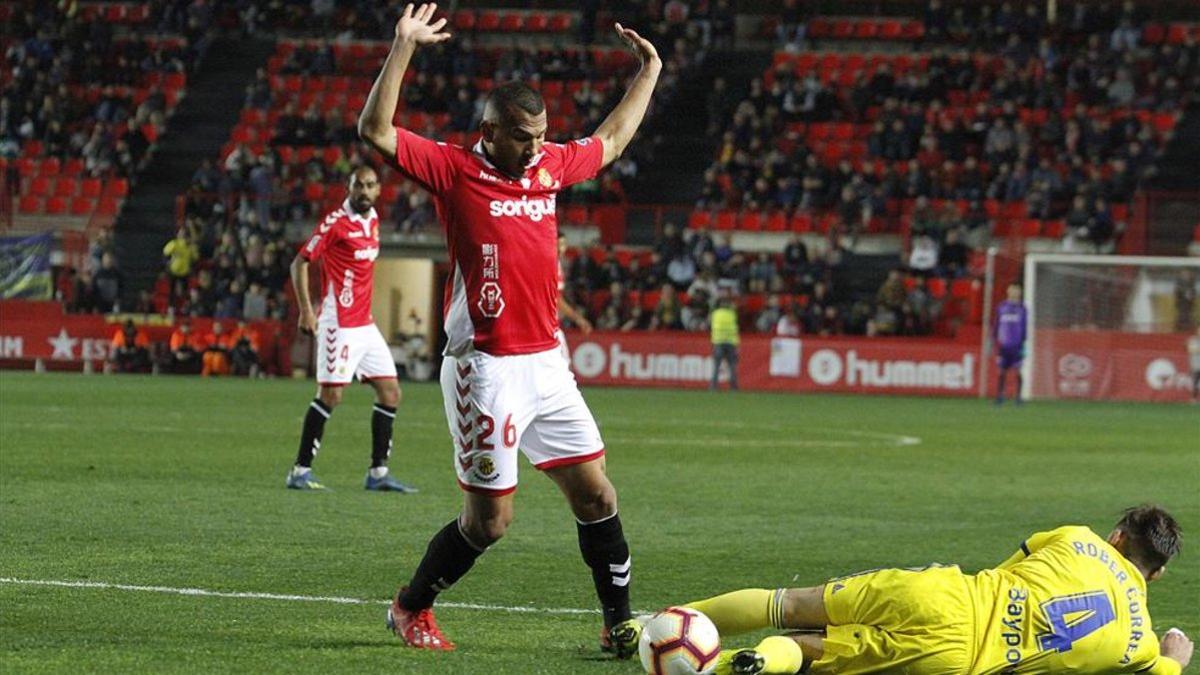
point(178, 483)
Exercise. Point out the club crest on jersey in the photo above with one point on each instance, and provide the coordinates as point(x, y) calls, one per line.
point(491, 300)
point(485, 469)
point(544, 178)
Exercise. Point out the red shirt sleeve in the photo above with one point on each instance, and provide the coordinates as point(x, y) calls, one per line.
point(428, 163)
point(581, 160)
point(323, 235)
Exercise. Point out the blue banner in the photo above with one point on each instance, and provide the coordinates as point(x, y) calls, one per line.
point(25, 267)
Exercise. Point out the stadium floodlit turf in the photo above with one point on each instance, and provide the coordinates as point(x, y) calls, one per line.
point(178, 484)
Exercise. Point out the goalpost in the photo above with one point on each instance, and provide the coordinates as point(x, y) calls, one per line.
point(1109, 327)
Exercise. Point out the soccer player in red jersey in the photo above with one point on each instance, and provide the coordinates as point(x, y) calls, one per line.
point(346, 242)
point(505, 382)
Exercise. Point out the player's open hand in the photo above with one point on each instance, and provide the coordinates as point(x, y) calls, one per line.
point(640, 45)
point(416, 25)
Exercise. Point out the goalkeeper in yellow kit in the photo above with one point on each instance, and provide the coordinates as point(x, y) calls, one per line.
point(1068, 601)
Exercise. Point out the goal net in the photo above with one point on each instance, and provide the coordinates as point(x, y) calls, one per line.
point(1110, 327)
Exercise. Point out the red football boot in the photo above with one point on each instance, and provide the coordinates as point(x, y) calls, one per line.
point(418, 629)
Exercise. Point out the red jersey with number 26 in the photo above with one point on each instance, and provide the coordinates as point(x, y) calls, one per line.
point(347, 244)
point(502, 235)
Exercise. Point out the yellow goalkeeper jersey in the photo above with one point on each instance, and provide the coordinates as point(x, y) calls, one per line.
point(1067, 601)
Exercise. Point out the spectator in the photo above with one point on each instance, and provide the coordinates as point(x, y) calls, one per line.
point(216, 352)
point(892, 294)
point(668, 313)
point(129, 350)
point(923, 258)
point(108, 285)
point(181, 254)
point(725, 341)
point(243, 356)
point(789, 324)
point(186, 349)
point(954, 256)
point(770, 315)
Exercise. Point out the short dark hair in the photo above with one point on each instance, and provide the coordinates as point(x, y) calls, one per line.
point(1152, 534)
point(516, 95)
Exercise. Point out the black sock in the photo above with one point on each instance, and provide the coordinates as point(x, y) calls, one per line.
point(1000, 383)
point(314, 427)
point(382, 417)
point(448, 557)
point(605, 551)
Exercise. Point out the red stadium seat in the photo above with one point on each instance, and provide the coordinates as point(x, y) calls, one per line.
point(699, 219)
point(50, 167)
point(750, 221)
point(843, 29)
point(30, 204)
point(115, 13)
point(576, 215)
point(726, 220)
point(82, 206)
point(1163, 122)
point(1196, 234)
point(891, 29)
point(1015, 210)
point(56, 206)
point(314, 191)
point(108, 206)
point(65, 187)
point(801, 222)
point(90, 187)
point(914, 30)
point(137, 13)
point(559, 23)
point(777, 222)
point(510, 23)
point(1031, 227)
point(464, 20)
point(866, 29)
point(73, 167)
point(1054, 229)
point(535, 23)
point(1120, 212)
point(117, 187)
point(937, 287)
point(489, 20)
point(1177, 33)
point(1154, 34)
point(39, 186)
point(819, 28)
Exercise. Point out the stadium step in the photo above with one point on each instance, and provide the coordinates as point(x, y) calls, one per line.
point(200, 126)
point(686, 150)
point(1175, 210)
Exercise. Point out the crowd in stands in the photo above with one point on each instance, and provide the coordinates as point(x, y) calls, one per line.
point(78, 88)
point(1005, 116)
point(677, 284)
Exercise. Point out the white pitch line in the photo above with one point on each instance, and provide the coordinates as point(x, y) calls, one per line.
point(170, 590)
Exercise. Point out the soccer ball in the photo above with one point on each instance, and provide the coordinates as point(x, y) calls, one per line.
point(679, 641)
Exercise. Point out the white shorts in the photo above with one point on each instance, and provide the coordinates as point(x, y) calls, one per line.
point(343, 353)
point(497, 404)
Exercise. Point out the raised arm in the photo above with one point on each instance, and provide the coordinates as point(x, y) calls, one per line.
point(618, 128)
point(412, 30)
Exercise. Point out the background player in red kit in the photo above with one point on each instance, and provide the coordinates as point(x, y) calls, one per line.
point(505, 383)
point(347, 341)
